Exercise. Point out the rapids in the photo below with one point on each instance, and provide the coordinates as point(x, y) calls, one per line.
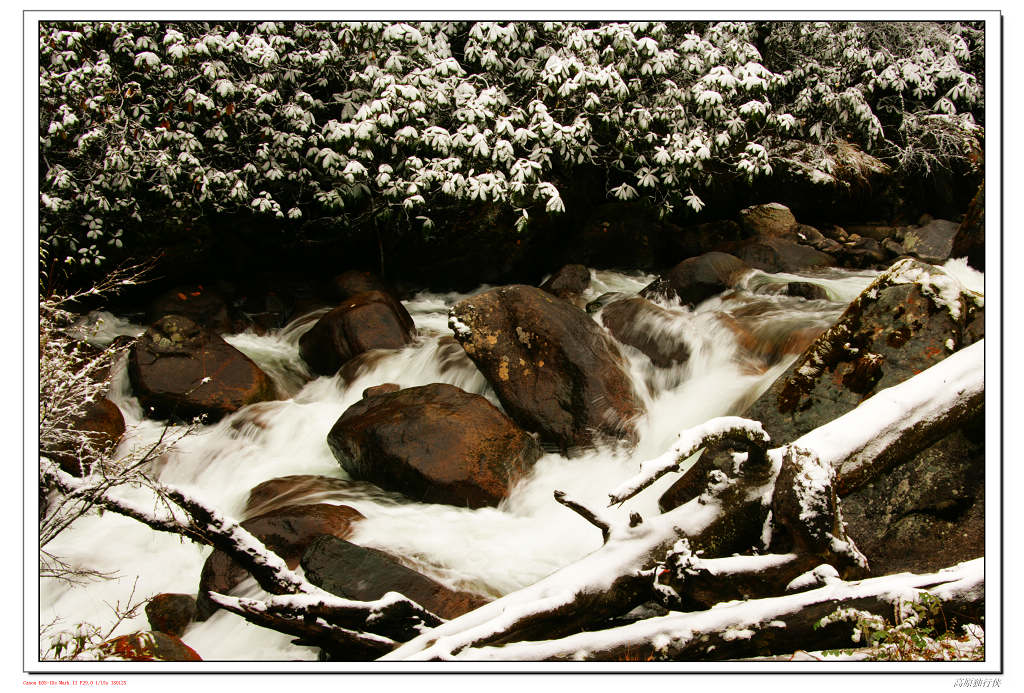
point(491, 551)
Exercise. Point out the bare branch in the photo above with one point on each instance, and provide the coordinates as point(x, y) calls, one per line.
point(584, 512)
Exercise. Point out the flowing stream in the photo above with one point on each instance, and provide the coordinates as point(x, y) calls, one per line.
point(738, 343)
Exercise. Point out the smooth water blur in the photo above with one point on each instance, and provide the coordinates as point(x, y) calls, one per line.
point(739, 343)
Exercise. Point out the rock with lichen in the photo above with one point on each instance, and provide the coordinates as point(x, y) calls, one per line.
point(555, 371)
point(180, 370)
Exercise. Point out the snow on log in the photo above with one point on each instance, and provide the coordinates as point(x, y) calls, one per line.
point(310, 629)
point(616, 577)
point(754, 628)
point(713, 432)
point(901, 420)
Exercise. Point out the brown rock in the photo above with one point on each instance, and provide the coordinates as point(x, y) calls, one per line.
point(180, 370)
point(370, 320)
point(569, 282)
point(434, 443)
point(103, 423)
point(772, 254)
point(555, 371)
point(149, 646)
point(357, 572)
point(381, 389)
point(305, 489)
point(648, 327)
point(772, 219)
point(697, 279)
point(171, 613)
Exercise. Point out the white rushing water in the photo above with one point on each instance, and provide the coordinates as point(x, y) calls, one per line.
point(738, 344)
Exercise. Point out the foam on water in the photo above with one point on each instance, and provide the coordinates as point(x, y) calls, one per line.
point(491, 551)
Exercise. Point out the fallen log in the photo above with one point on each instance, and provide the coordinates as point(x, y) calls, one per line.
point(817, 619)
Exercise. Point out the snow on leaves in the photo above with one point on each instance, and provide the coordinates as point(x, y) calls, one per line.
point(181, 108)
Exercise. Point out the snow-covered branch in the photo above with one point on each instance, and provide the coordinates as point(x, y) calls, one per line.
point(725, 429)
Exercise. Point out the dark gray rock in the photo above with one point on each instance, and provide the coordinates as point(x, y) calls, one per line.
point(927, 513)
point(932, 242)
point(365, 574)
point(891, 332)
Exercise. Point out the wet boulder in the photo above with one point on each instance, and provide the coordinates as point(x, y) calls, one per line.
point(180, 370)
point(286, 531)
point(808, 235)
point(148, 646)
point(811, 292)
point(365, 574)
point(308, 489)
point(697, 279)
point(203, 305)
point(569, 282)
point(775, 254)
point(772, 219)
point(171, 613)
point(434, 443)
point(555, 371)
point(653, 330)
point(102, 423)
point(932, 242)
point(366, 321)
point(910, 318)
point(864, 252)
point(381, 389)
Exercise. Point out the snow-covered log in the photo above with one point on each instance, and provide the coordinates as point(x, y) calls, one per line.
point(619, 576)
point(804, 620)
point(715, 432)
point(336, 624)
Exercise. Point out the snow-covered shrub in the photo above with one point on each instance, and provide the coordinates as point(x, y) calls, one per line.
point(146, 126)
